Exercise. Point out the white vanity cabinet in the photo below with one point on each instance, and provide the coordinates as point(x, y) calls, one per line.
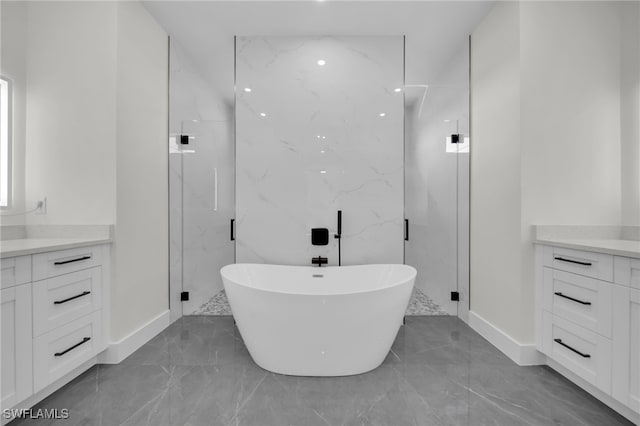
point(53, 319)
point(626, 334)
point(588, 318)
point(16, 344)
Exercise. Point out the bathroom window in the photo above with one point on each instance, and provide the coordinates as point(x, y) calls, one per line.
point(5, 142)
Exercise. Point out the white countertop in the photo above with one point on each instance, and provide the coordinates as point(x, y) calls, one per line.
point(26, 246)
point(626, 248)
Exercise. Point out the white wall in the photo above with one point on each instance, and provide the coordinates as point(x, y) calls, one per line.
point(13, 65)
point(96, 140)
point(495, 262)
point(630, 113)
point(71, 92)
point(141, 239)
point(546, 128)
point(570, 91)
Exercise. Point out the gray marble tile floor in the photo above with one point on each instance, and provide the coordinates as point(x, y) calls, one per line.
point(439, 372)
point(419, 304)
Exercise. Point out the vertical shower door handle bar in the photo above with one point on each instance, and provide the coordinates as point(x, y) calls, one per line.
point(232, 230)
point(406, 229)
point(215, 189)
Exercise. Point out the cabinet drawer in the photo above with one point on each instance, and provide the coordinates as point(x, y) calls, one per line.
point(65, 348)
point(46, 265)
point(59, 300)
point(582, 351)
point(626, 271)
point(595, 265)
point(583, 300)
point(15, 271)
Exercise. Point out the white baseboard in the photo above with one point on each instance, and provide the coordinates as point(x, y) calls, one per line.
point(520, 353)
point(116, 352)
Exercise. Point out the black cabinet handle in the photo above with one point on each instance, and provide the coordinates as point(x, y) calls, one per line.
point(562, 259)
point(72, 260)
point(60, 302)
point(85, 340)
point(582, 302)
point(232, 226)
point(406, 229)
point(560, 342)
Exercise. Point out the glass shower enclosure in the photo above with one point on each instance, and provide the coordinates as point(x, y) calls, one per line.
point(203, 199)
point(437, 189)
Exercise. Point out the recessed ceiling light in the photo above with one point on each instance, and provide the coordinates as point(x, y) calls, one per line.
point(322, 152)
point(262, 114)
point(247, 89)
point(321, 62)
point(323, 171)
point(446, 121)
point(382, 114)
point(397, 89)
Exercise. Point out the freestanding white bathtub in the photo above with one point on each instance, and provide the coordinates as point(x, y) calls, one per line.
point(310, 321)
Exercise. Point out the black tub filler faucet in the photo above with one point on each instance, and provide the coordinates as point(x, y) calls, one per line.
point(319, 261)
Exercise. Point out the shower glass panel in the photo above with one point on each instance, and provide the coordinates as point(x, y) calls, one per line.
point(437, 191)
point(208, 204)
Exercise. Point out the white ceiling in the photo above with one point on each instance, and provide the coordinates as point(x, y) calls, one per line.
point(435, 30)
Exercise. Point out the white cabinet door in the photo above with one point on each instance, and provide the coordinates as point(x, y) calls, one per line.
point(17, 379)
point(626, 342)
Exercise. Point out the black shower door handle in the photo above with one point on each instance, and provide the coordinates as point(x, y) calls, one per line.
point(232, 235)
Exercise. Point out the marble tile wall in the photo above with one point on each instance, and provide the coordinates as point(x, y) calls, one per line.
point(316, 137)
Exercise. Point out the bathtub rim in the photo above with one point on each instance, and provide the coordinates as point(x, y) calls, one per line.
point(409, 278)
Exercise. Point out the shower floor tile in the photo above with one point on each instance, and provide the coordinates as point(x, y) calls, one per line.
point(420, 304)
point(439, 371)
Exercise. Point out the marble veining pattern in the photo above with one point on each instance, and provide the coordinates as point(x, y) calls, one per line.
point(420, 304)
point(439, 372)
point(311, 140)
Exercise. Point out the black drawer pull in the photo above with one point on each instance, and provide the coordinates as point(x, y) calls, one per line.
point(60, 302)
point(85, 340)
point(582, 302)
point(72, 260)
point(562, 259)
point(559, 341)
